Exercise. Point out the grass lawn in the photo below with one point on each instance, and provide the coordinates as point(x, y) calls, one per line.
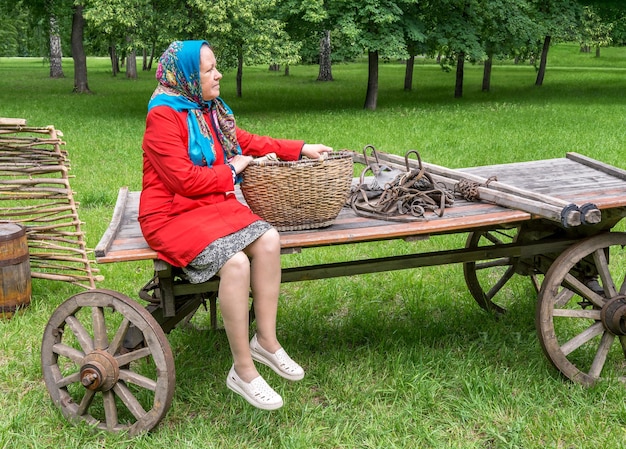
point(394, 360)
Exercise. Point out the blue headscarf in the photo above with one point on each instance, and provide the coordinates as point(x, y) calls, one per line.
point(179, 87)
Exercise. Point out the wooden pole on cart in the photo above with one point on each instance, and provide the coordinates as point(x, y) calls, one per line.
point(563, 212)
point(589, 213)
point(547, 206)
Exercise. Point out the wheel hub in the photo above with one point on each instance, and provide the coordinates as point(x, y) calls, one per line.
point(614, 315)
point(99, 371)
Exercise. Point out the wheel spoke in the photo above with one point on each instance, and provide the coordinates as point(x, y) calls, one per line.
point(493, 237)
point(584, 291)
point(65, 381)
point(84, 339)
point(481, 275)
point(110, 410)
point(132, 356)
point(592, 314)
point(101, 340)
point(118, 339)
point(536, 283)
point(508, 274)
point(600, 358)
point(73, 354)
point(129, 400)
point(602, 265)
point(622, 340)
point(563, 297)
point(85, 402)
point(592, 331)
point(137, 379)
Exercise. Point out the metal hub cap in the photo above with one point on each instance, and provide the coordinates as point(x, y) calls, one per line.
point(99, 371)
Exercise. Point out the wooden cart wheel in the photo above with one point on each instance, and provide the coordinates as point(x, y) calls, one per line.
point(581, 313)
point(485, 279)
point(92, 377)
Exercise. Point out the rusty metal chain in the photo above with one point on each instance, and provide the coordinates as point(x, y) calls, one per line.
point(407, 197)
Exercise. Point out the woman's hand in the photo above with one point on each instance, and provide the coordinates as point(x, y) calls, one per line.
point(315, 150)
point(240, 162)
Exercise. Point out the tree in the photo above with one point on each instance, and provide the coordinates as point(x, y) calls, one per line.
point(56, 51)
point(378, 28)
point(506, 29)
point(557, 20)
point(454, 33)
point(595, 32)
point(325, 73)
point(40, 25)
point(414, 38)
point(121, 21)
point(611, 12)
point(247, 30)
point(10, 20)
point(309, 20)
point(78, 51)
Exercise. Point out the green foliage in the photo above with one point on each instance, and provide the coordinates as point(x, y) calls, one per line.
point(506, 28)
point(17, 31)
point(454, 29)
point(557, 18)
point(288, 31)
point(595, 32)
point(372, 25)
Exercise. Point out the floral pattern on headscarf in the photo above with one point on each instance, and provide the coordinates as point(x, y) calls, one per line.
point(178, 74)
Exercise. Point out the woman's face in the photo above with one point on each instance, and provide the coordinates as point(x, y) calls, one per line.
point(209, 75)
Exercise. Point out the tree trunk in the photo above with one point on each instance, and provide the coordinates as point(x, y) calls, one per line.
point(487, 74)
point(598, 51)
point(152, 50)
point(56, 53)
point(286, 69)
point(78, 51)
point(408, 73)
point(325, 73)
point(460, 66)
point(144, 60)
point(544, 59)
point(239, 70)
point(371, 97)
point(115, 63)
point(131, 65)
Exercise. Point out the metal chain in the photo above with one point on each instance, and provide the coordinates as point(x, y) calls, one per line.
point(406, 198)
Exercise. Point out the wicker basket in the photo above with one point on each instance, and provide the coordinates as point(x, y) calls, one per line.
point(298, 195)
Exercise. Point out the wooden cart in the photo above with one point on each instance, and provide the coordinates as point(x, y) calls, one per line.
point(106, 359)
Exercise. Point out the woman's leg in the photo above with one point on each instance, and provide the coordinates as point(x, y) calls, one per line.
point(234, 294)
point(264, 256)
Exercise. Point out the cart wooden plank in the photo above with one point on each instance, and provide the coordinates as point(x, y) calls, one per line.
point(123, 240)
point(566, 178)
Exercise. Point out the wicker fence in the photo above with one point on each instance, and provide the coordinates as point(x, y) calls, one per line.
point(35, 192)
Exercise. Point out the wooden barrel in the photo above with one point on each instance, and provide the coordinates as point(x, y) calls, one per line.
point(15, 286)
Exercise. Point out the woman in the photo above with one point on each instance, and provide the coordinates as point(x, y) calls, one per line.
point(193, 155)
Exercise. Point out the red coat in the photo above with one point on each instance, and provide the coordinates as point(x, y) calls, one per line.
point(185, 207)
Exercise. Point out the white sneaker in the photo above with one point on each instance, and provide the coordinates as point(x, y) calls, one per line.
point(279, 361)
point(257, 392)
